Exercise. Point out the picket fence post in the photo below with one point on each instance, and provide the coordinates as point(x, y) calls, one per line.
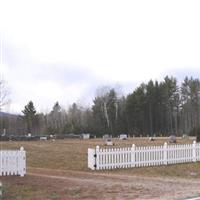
point(194, 151)
point(22, 162)
point(91, 158)
point(97, 157)
point(133, 155)
point(165, 153)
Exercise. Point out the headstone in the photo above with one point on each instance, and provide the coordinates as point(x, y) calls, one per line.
point(172, 139)
point(123, 137)
point(109, 142)
point(151, 139)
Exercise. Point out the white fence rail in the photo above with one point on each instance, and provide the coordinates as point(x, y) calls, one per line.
point(13, 162)
point(111, 158)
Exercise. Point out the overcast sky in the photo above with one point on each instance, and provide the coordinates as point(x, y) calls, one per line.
point(64, 50)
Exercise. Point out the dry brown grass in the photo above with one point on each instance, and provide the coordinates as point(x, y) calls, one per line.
point(71, 155)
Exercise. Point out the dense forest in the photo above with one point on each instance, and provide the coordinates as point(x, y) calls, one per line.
point(152, 109)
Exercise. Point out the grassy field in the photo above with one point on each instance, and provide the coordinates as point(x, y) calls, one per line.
point(71, 155)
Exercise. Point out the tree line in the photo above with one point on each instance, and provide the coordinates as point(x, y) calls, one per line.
point(152, 109)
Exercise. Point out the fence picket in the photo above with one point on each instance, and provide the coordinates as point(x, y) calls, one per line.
point(13, 162)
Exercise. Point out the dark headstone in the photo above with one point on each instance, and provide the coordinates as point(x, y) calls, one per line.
point(172, 139)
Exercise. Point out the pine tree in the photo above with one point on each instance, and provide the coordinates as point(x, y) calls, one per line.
point(30, 117)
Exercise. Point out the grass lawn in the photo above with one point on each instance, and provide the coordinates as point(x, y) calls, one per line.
point(71, 154)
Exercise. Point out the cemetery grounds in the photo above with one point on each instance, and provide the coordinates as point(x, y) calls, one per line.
point(58, 170)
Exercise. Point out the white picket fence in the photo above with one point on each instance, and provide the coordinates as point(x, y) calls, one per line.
point(13, 162)
point(111, 158)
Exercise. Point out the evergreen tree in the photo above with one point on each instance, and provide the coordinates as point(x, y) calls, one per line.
point(30, 117)
point(135, 111)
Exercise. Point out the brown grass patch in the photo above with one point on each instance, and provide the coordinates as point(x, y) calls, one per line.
point(68, 157)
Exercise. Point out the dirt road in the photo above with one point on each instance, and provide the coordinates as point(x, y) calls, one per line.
point(93, 185)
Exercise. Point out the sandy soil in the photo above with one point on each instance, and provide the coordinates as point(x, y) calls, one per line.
point(95, 185)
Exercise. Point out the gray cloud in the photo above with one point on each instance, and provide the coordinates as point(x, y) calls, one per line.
point(181, 73)
point(45, 83)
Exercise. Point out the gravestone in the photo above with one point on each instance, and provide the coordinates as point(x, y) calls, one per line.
point(172, 139)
